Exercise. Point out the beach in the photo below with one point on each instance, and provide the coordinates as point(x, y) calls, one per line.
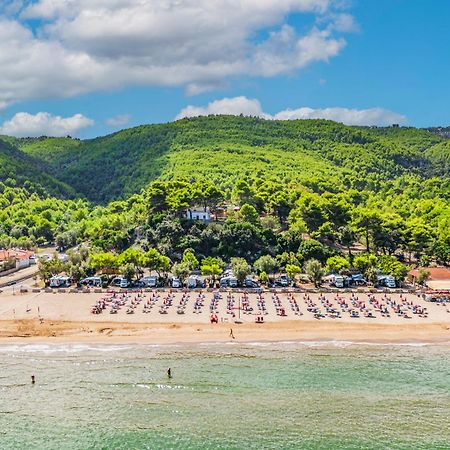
point(67, 317)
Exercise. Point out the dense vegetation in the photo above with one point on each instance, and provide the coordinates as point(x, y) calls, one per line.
point(20, 169)
point(320, 155)
point(305, 190)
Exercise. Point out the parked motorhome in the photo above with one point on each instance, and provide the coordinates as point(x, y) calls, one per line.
point(120, 282)
point(390, 282)
point(176, 283)
point(386, 280)
point(148, 282)
point(338, 281)
point(357, 279)
point(249, 283)
point(282, 281)
point(92, 281)
point(59, 282)
point(229, 281)
point(194, 281)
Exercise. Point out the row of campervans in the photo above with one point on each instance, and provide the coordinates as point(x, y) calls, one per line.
point(60, 281)
point(102, 282)
point(231, 281)
point(144, 282)
point(341, 281)
point(193, 282)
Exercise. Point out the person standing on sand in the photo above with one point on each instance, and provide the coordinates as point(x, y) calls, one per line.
point(169, 372)
point(231, 333)
point(33, 380)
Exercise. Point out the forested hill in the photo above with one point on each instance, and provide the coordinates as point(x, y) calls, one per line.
point(19, 169)
point(318, 154)
point(386, 189)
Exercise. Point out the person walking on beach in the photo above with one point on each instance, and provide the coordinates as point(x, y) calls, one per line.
point(231, 333)
point(33, 380)
point(169, 372)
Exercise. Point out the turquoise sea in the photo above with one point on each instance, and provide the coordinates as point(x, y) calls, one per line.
point(237, 396)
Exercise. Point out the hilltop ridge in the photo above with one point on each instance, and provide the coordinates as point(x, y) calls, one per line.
point(319, 154)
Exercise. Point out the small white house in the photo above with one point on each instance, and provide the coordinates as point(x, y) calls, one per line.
point(202, 214)
point(21, 258)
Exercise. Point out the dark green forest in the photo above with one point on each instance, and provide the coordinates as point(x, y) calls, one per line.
point(291, 190)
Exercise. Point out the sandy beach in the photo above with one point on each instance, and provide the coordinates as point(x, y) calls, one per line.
point(67, 317)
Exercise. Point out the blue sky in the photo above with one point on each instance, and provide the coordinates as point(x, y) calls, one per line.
point(361, 61)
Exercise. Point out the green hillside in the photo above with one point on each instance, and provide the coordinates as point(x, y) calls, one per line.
point(322, 155)
point(439, 154)
point(19, 169)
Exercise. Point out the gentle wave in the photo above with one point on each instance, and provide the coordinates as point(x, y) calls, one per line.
point(85, 348)
point(60, 348)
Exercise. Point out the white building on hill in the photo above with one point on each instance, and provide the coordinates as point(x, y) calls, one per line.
point(202, 214)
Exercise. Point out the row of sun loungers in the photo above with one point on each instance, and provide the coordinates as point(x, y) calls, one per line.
point(319, 308)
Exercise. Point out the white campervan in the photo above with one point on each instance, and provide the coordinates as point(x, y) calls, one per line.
point(59, 282)
point(92, 281)
point(390, 282)
point(176, 283)
point(149, 282)
point(337, 280)
point(120, 282)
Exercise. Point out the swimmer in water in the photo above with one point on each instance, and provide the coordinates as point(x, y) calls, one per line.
point(169, 372)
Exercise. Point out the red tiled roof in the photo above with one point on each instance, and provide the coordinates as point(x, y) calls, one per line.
point(15, 254)
point(436, 273)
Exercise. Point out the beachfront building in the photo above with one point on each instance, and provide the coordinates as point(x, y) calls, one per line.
point(438, 277)
point(202, 214)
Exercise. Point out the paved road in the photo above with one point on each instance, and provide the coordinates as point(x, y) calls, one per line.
point(23, 274)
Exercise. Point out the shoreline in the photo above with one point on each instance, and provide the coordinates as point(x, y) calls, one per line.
point(66, 332)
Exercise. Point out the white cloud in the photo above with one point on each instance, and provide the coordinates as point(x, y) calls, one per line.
point(118, 121)
point(82, 46)
point(44, 124)
point(285, 52)
point(345, 23)
point(252, 107)
point(372, 116)
point(227, 106)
